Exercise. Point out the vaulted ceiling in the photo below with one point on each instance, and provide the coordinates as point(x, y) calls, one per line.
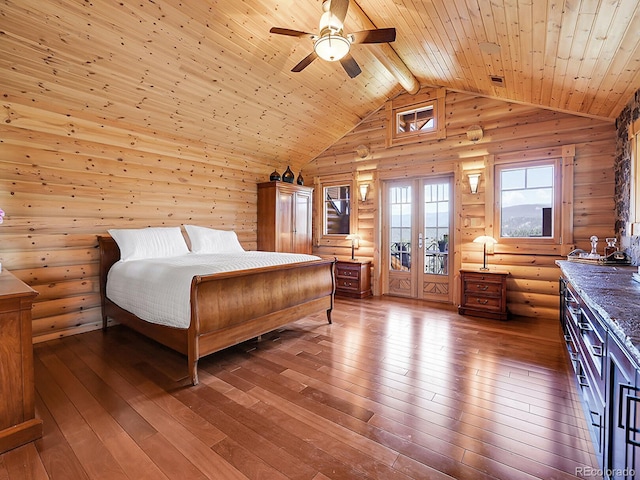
point(210, 72)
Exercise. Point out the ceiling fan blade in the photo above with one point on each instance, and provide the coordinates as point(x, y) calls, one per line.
point(289, 32)
point(339, 9)
point(379, 35)
point(350, 66)
point(304, 63)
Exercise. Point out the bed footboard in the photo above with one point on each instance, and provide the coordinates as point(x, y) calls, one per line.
point(232, 307)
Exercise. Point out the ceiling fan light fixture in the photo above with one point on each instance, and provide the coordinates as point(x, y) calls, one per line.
point(331, 47)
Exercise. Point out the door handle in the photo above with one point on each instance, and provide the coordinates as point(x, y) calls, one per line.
point(420, 240)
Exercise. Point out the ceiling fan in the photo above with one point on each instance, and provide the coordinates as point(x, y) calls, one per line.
point(331, 43)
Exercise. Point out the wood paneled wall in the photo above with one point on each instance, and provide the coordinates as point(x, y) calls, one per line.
point(508, 127)
point(65, 180)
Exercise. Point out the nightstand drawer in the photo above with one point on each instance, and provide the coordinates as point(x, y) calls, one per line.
point(484, 288)
point(348, 271)
point(347, 284)
point(484, 302)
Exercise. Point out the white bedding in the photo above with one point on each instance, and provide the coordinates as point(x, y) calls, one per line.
point(158, 290)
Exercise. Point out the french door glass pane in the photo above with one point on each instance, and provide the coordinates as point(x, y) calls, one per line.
point(400, 231)
point(436, 228)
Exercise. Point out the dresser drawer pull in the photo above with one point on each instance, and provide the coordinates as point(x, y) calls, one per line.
point(482, 287)
point(481, 301)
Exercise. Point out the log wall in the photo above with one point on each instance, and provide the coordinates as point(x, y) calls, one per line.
point(508, 128)
point(65, 180)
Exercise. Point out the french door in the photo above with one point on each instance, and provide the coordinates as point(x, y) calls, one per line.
point(417, 232)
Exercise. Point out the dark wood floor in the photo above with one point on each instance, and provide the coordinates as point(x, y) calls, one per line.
point(393, 389)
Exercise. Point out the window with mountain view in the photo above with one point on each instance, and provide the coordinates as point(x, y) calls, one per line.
point(527, 201)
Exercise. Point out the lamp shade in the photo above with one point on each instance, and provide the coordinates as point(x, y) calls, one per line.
point(486, 239)
point(474, 179)
point(364, 190)
point(331, 47)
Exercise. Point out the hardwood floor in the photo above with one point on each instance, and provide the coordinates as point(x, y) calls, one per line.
point(393, 389)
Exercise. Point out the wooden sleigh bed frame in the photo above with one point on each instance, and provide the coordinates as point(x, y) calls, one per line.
point(231, 307)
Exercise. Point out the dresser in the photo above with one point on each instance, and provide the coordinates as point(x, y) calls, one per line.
point(353, 278)
point(284, 217)
point(18, 424)
point(483, 293)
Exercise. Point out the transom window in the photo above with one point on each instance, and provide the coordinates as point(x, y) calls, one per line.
point(421, 118)
point(416, 120)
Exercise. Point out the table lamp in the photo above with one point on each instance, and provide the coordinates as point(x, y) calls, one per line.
point(354, 238)
point(485, 239)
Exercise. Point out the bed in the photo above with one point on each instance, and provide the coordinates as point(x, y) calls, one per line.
point(230, 307)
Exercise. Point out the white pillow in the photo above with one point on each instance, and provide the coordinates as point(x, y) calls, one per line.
point(152, 242)
point(209, 240)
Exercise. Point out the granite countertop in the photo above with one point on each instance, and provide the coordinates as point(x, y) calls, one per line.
point(613, 294)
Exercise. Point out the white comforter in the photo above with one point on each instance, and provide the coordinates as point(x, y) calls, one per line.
point(158, 290)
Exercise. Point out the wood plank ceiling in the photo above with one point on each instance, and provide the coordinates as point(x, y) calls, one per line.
point(209, 71)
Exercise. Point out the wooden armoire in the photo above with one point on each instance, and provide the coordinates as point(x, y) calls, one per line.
point(284, 217)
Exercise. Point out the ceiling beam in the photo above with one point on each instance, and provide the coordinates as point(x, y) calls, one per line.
point(386, 54)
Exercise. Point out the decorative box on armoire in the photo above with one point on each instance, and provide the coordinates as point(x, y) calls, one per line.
point(18, 424)
point(284, 217)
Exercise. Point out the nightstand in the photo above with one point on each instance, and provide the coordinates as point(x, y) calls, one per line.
point(353, 278)
point(18, 424)
point(483, 293)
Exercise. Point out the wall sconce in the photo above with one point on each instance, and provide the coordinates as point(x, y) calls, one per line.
point(364, 190)
point(485, 240)
point(475, 133)
point(354, 237)
point(474, 180)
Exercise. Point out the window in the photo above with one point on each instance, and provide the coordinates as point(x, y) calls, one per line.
point(530, 208)
point(526, 202)
point(336, 210)
point(416, 118)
